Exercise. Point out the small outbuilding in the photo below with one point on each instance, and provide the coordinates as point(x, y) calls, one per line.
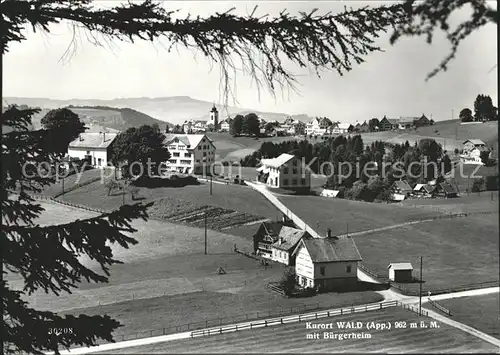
point(400, 272)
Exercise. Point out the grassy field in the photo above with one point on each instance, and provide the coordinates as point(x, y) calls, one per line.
point(167, 280)
point(291, 338)
point(465, 174)
point(341, 215)
point(455, 252)
point(474, 202)
point(228, 206)
point(480, 312)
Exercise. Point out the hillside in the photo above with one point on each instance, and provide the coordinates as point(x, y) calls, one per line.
point(175, 109)
point(450, 134)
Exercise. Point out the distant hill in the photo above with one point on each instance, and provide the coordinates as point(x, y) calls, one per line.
point(102, 116)
point(175, 109)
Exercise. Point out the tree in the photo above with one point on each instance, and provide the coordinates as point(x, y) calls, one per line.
point(373, 124)
point(156, 127)
point(339, 42)
point(47, 257)
point(135, 148)
point(485, 157)
point(167, 129)
point(111, 184)
point(466, 115)
point(484, 109)
point(66, 123)
point(446, 164)
point(251, 124)
point(237, 125)
point(288, 281)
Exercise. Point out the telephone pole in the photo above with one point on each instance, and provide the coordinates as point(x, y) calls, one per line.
point(211, 184)
point(205, 214)
point(420, 293)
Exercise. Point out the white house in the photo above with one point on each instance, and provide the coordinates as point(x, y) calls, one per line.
point(225, 125)
point(470, 144)
point(327, 263)
point(287, 241)
point(192, 126)
point(318, 126)
point(94, 147)
point(400, 272)
point(190, 153)
point(285, 171)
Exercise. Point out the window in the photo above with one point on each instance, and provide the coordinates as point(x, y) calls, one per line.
point(294, 171)
point(294, 163)
point(197, 160)
point(199, 147)
point(285, 170)
point(88, 152)
point(294, 182)
point(99, 161)
point(187, 155)
point(322, 270)
point(176, 154)
point(185, 161)
point(204, 154)
point(348, 268)
point(285, 182)
point(172, 161)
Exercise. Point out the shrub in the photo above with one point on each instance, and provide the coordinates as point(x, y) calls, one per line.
point(478, 185)
point(288, 281)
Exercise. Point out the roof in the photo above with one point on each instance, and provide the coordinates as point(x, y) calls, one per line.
point(331, 249)
point(344, 125)
point(188, 139)
point(279, 161)
point(428, 188)
point(393, 120)
point(407, 119)
point(291, 236)
point(400, 266)
point(93, 140)
point(402, 185)
point(449, 189)
point(475, 141)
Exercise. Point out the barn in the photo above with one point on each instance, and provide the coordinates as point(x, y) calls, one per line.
point(400, 272)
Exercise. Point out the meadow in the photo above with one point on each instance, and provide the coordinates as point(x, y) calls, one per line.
point(167, 280)
point(458, 251)
point(480, 312)
point(343, 216)
point(291, 338)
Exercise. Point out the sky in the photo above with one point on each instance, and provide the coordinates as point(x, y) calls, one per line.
point(389, 83)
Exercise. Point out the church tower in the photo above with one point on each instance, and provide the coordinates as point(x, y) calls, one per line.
point(214, 117)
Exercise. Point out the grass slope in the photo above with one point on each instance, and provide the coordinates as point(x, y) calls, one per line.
point(455, 252)
point(480, 312)
point(291, 338)
point(342, 215)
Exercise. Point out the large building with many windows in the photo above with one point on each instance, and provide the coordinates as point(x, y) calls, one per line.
point(286, 172)
point(190, 153)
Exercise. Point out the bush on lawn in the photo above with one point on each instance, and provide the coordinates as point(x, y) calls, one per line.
point(478, 185)
point(288, 281)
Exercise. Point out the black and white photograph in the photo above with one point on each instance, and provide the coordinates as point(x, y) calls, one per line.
point(250, 177)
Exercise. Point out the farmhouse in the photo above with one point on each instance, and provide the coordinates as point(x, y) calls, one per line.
point(387, 124)
point(287, 241)
point(422, 121)
point(340, 128)
point(95, 148)
point(400, 272)
point(446, 190)
point(285, 171)
point(407, 122)
point(401, 187)
point(423, 190)
point(265, 236)
point(326, 263)
point(190, 153)
point(225, 125)
point(471, 144)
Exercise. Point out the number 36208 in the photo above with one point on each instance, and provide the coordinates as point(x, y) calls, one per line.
point(60, 331)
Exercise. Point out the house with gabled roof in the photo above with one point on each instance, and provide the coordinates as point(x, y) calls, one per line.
point(445, 189)
point(190, 153)
point(95, 148)
point(424, 190)
point(400, 272)
point(285, 171)
point(286, 243)
point(327, 263)
point(401, 187)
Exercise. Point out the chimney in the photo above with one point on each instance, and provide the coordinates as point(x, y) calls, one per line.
point(80, 137)
point(282, 240)
point(328, 233)
point(103, 137)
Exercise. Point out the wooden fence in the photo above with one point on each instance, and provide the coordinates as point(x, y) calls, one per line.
point(439, 307)
point(294, 319)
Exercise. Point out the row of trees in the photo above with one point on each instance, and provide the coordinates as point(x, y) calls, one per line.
point(247, 125)
point(351, 178)
point(484, 110)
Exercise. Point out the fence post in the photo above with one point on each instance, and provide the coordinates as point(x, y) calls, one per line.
point(265, 323)
point(341, 311)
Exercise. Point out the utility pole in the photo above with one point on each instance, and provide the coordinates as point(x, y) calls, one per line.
point(205, 214)
point(63, 185)
point(420, 293)
point(211, 184)
point(347, 228)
